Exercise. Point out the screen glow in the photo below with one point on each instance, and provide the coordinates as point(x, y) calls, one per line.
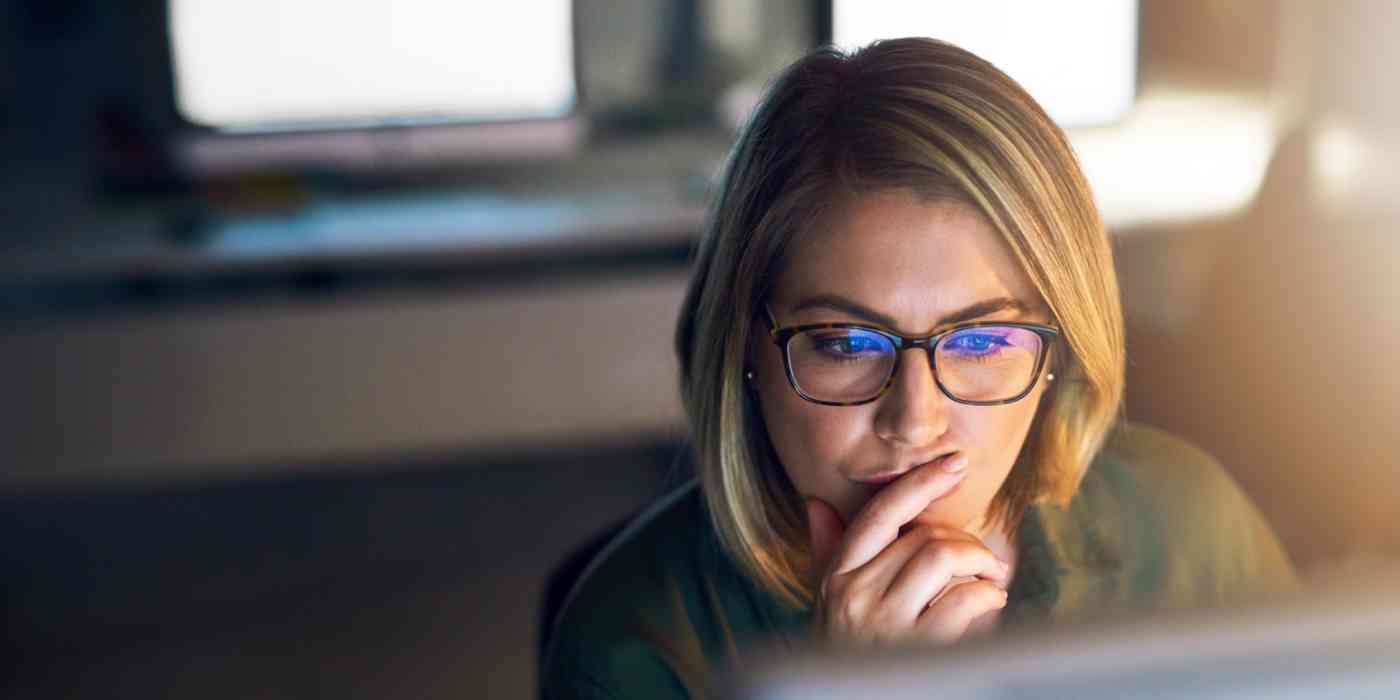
point(265, 65)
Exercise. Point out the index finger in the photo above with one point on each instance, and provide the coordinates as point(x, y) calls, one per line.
point(878, 523)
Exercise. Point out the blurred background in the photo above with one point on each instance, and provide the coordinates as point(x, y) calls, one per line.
point(328, 331)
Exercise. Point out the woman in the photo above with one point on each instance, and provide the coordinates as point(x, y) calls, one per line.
point(902, 359)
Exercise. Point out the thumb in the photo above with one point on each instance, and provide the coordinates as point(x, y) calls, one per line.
point(824, 528)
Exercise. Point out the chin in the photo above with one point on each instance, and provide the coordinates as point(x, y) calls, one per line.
point(949, 514)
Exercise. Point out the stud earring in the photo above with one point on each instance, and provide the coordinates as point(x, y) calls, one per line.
point(749, 375)
point(1050, 377)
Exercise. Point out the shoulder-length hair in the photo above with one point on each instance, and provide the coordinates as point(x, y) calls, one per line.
point(917, 114)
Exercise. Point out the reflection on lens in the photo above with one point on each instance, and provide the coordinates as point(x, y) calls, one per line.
point(988, 363)
point(840, 365)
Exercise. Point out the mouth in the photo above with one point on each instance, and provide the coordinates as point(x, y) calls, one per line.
point(882, 478)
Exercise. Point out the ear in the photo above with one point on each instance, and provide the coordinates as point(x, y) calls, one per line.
point(1054, 356)
point(1055, 373)
point(753, 352)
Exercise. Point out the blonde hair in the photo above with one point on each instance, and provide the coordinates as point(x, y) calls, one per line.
point(909, 113)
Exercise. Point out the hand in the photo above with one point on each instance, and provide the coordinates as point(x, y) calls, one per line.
point(880, 586)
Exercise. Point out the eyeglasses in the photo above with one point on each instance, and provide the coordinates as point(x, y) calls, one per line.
point(847, 364)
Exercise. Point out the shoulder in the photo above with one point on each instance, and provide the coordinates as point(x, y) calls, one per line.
point(1153, 467)
point(1144, 481)
point(1155, 473)
point(1178, 524)
point(651, 614)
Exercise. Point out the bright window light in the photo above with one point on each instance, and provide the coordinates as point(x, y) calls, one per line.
point(1079, 59)
point(287, 64)
point(1180, 156)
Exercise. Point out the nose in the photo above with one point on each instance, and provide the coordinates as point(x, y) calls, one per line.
point(913, 412)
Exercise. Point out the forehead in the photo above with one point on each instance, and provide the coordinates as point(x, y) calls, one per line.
point(912, 259)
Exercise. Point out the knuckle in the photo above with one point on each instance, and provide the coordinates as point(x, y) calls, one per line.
point(928, 559)
point(859, 603)
point(979, 594)
point(847, 614)
point(940, 555)
point(858, 580)
point(886, 622)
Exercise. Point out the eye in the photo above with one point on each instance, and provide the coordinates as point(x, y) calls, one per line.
point(849, 344)
point(975, 343)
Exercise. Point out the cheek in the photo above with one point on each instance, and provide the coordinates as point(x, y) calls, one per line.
point(811, 440)
point(997, 433)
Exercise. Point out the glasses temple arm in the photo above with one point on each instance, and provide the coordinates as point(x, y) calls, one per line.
point(772, 321)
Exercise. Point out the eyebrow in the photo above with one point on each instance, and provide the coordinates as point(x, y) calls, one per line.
point(986, 307)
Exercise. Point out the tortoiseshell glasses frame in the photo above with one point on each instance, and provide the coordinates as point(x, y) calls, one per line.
point(782, 337)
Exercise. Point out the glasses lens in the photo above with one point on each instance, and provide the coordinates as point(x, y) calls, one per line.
point(840, 365)
point(987, 363)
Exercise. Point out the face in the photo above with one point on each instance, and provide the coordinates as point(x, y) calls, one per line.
point(908, 265)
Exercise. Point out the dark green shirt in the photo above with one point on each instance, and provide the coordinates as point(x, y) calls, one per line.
point(1155, 524)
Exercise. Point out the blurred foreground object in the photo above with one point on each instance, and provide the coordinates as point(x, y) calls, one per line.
point(1337, 641)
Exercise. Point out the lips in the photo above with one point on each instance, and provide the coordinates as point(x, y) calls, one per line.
point(879, 479)
point(882, 478)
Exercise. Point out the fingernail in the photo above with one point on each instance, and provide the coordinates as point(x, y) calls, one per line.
point(956, 463)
